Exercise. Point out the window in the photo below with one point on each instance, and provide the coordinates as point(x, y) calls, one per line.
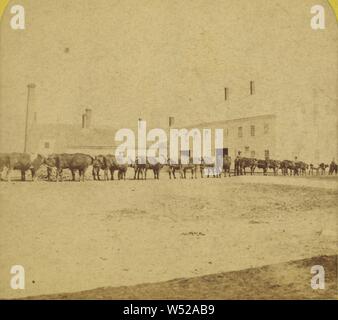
point(253, 154)
point(252, 131)
point(266, 154)
point(266, 128)
point(247, 149)
point(240, 132)
point(226, 132)
point(47, 145)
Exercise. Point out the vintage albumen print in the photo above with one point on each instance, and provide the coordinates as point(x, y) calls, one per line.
point(158, 149)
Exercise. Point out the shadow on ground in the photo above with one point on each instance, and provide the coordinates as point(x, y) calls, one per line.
point(290, 280)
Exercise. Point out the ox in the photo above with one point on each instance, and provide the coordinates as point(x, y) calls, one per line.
point(74, 162)
point(22, 162)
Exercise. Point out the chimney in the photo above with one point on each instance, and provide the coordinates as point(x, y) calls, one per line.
point(226, 94)
point(32, 105)
point(29, 107)
point(88, 118)
point(171, 121)
point(84, 121)
point(252, 87)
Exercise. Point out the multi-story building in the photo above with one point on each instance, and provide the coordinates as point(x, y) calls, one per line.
point(254, 136)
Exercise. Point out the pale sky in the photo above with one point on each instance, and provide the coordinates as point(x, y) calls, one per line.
point(158, 58)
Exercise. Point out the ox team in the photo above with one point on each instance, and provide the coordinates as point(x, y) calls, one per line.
point(79, 162)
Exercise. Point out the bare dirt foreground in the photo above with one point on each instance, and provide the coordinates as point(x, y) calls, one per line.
point(72, 237)
point(288, 280)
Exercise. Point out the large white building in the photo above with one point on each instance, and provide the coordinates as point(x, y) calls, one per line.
point(307, 131)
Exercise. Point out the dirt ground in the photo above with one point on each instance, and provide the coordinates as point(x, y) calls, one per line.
point(73, 236)
point(288, 280)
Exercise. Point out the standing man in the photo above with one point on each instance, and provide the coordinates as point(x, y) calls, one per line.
point(295, 170)
point(238, 169)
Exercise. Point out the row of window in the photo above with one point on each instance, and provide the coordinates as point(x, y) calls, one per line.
point(253, 153)
point(253, 130)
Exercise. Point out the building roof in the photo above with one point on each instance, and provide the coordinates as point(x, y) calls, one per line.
point(74, 136)
point(228, 121)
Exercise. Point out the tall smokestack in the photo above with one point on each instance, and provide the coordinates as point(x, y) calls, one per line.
point(252, 87)
point(226, 94)
point(30, 102)
point(171, 121)
point(88, 118)
point(84, 121)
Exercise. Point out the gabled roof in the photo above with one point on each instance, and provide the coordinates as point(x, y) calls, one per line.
point(224, 122)
point(73, 136)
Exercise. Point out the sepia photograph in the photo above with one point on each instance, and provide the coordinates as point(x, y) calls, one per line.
point(168, 150)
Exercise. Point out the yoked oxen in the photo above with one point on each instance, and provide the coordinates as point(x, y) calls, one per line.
point(250, 163)
point(111, 164)
point(226, 165)
point(274, 165)
point(155, 165)
point(209, 167)
point(263, 164)
point(311, 169)
point(288, 167)
point(300, 168)
point(322, 168)
point(74, 162)
point(173, 167)
point(190, 166)
point(156, 168)
point(21, 162)
point(141, 166)
point(268, 164)
point(333, 168)
point(122, 171)
point(182, 168)
point(100, 163)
